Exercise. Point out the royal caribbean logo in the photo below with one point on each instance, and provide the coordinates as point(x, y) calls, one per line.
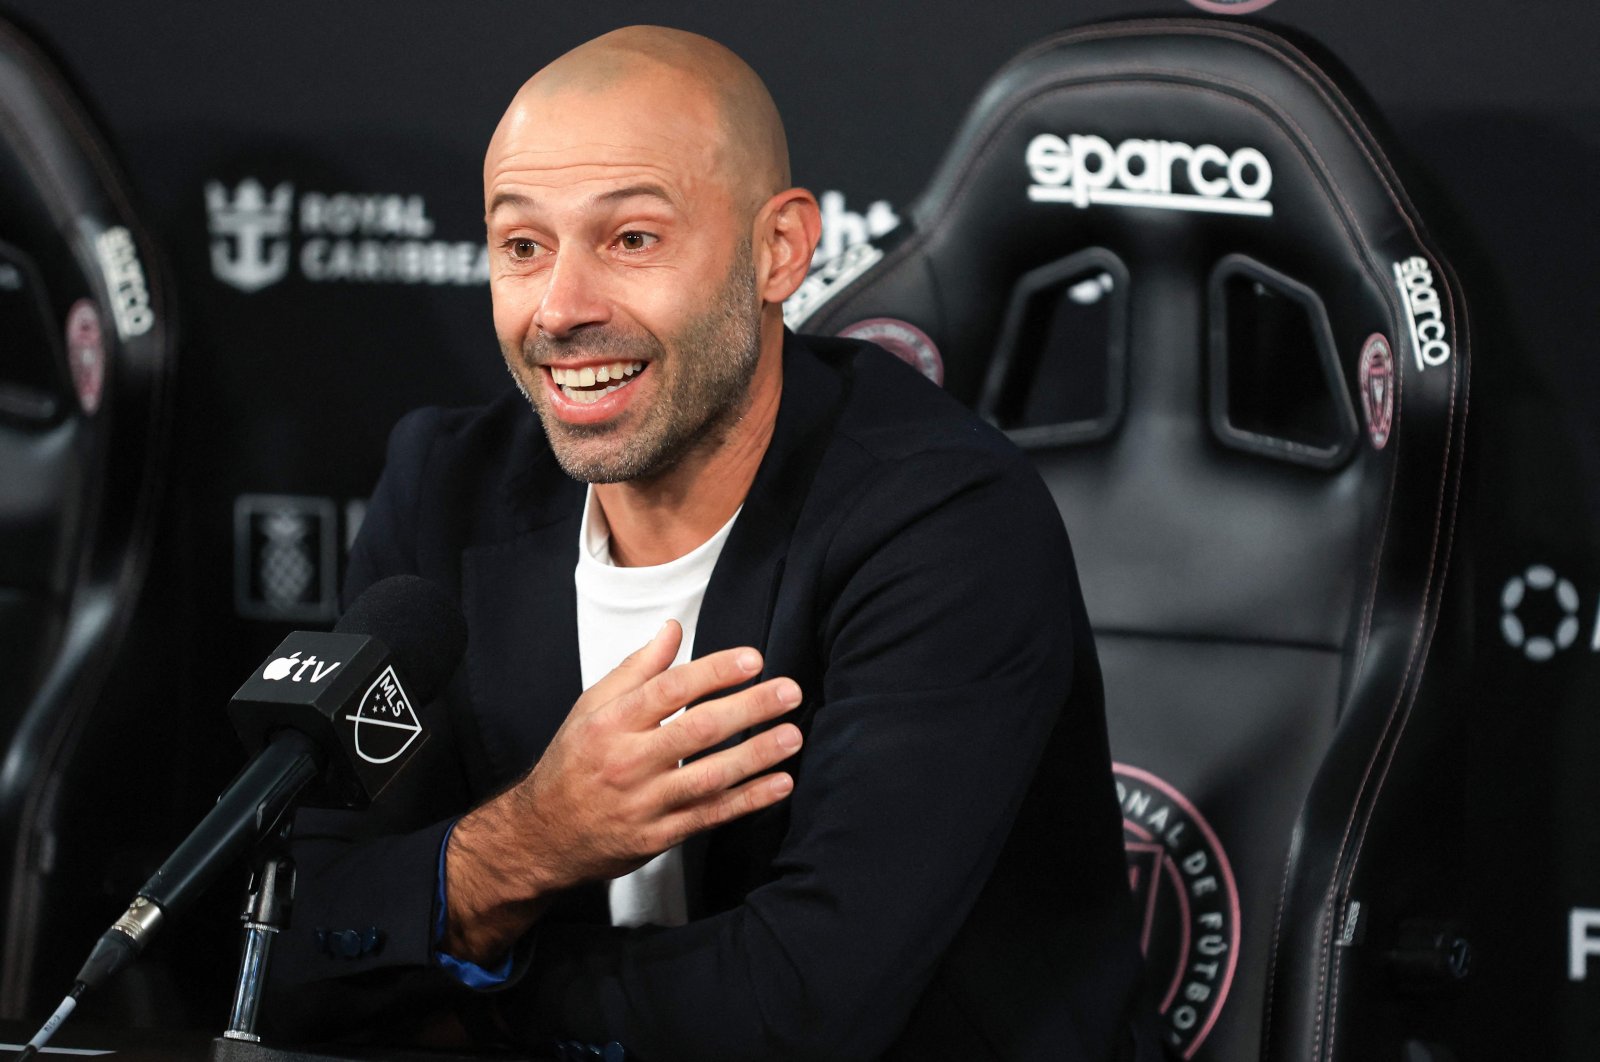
point(249, 233)
point(259, 237)
point(1164, 174)
point(1183, 884)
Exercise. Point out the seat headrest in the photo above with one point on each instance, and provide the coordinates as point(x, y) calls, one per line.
point(1203, 160)
point(1169, 257)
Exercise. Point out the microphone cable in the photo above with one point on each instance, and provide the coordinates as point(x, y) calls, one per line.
point(48, 1029)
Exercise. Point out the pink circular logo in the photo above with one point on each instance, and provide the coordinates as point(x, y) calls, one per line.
point(902, 339)
point(86, 353)
point(1183, 886)
point(1230, 7)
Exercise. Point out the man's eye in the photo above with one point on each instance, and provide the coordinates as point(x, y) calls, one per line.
point(522, 249)
point(635, 241)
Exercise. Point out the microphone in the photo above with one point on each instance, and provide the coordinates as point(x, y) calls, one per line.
point(331, 719)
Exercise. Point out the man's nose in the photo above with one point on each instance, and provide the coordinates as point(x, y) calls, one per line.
point(574, 296)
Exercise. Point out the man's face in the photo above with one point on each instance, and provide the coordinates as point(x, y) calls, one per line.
point(622, 278)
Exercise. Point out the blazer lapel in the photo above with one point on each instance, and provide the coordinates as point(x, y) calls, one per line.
point(738, 603)
point(521, 609)
point(737, 608)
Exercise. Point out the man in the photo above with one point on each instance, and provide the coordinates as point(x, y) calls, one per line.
point(886, 827)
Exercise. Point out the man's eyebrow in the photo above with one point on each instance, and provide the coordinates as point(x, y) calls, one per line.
point(633, 191)
point(501, 199)
point(616, 195)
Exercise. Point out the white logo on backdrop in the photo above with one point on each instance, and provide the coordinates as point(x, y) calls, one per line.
point(843, 229)
point(353, 237)
point(255, 225)
point(844, 253)
point(1542, 579)
point(1089, 170)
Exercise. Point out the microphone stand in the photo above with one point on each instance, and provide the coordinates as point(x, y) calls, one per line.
point(266, 911)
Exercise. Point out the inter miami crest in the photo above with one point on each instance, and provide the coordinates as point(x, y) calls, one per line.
point(1183, 885)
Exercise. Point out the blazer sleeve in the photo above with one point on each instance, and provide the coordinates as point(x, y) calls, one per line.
point(359, 948)
point(946, 637)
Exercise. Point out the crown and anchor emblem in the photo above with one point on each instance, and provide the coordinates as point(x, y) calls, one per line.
point(257, 226)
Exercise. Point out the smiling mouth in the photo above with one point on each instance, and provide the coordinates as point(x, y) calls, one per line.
point(591, 383)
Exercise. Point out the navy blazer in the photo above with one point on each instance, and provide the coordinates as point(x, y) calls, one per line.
point(947, 878)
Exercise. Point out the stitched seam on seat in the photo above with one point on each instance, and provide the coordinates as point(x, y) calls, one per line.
point(1453, 501)
point(1243, 643)
point(1272, 967)
point(1370, 600)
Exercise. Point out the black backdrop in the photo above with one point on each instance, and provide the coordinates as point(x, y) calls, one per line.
point(365, 123)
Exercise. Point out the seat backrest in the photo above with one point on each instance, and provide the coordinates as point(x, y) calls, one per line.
point(1171, 260)
point(85, 360)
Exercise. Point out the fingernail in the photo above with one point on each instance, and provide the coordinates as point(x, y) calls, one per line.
point(781, 784)
point(750, 660)
point(788, 737)
point(788, 694)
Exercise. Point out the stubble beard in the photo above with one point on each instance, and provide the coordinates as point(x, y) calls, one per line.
point(703, 390)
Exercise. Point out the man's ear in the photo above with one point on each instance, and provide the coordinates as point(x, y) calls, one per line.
point(786, 234)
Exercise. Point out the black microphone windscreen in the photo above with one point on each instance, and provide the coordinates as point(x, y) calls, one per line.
point(418, 622)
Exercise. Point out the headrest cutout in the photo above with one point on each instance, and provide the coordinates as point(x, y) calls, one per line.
point(1059, 374)
point(1276, 385)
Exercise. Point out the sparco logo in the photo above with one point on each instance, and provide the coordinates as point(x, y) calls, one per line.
point(125, 282)
point(341, 236)
point(1165, 174)
point(1183, 883)
point(1429, 342)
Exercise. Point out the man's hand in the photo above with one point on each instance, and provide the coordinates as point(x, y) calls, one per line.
point(608, 793)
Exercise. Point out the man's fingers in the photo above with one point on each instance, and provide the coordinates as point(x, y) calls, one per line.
point(670, 690)
point(725, 770)
point(713, 722)
point(642, 665)
point(735, 803)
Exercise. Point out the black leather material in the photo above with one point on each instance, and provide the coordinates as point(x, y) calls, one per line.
point(84, 380)
point(1264, 580)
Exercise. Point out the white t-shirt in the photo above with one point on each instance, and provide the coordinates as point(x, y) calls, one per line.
point(619, 610)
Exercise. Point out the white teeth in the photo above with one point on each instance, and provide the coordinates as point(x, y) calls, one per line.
point(586, 398)
point(588, 376)
point(591, 375)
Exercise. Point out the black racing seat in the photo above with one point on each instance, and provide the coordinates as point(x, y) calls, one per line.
point(85, 361)
point(1171, 260)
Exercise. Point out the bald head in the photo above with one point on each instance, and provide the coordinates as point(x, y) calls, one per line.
point(678, 76)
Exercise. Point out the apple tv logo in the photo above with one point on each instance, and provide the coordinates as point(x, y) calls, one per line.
point(293, 668)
